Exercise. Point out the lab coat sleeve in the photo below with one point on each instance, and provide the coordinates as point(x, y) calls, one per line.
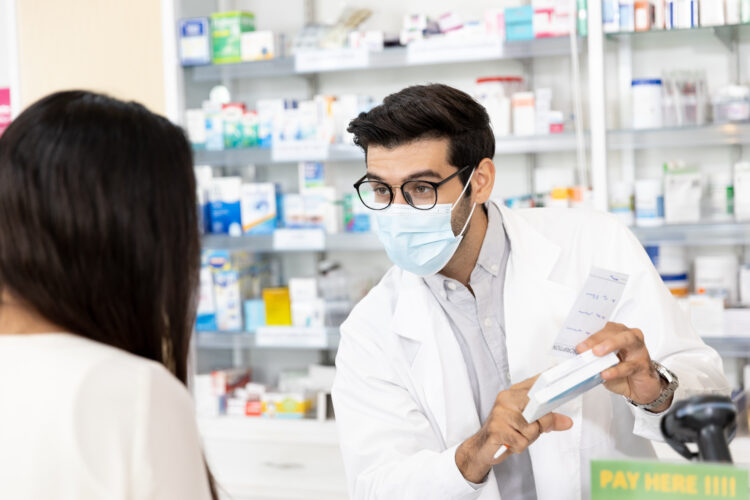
point(669, 336)
point(389, 448)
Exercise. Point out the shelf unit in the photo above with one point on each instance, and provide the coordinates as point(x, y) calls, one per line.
point(342, 242)
point(550, 143)
point(702, 234)
point(719, 31)
point(705, 234)
point(391, 57)
point(730, 347)
point(287, 338)
point(728, 134)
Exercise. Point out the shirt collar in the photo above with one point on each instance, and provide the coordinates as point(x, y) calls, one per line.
point(495, 242)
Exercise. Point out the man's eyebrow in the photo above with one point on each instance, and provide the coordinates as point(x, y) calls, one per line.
point(416, 175)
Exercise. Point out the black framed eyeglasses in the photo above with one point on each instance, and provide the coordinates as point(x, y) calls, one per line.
point(422, 195)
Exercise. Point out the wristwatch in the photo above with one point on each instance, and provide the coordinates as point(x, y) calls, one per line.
point(672, 384)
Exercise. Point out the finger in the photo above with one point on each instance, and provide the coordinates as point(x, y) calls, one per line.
point(622, 370)
point(609, 330)
point(526, 384)
point(532, 430)
point(555, 422)
point(628, 341)
point(516, 442)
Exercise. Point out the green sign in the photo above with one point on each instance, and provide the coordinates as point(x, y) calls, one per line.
point(621, 480)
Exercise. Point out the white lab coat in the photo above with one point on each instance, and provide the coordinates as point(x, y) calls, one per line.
point(402, 396)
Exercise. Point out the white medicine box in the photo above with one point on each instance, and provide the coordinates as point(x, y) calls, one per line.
point(195, 41)
point(257, 46)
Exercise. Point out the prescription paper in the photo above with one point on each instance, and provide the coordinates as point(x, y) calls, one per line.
point(594, 306)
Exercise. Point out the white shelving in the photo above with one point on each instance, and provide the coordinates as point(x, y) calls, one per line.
point(725, 30)
point(274, 337)
point(341, 242)
point(703, 234)
point(397, 57)
point(550, 143)
point(730, 347)
point(729, 134)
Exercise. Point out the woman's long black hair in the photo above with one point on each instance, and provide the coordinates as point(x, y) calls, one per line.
point(98, 223)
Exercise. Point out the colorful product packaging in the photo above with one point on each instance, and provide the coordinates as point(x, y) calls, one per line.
point(232, 115)
point(195, 41)
point(258, 204)
point(278, 306)
point(224, 206)
point(226, 35)
point(250, 129)
point(357, 217)
point(232, 285)
point(285, 405)
point(519, 23)
point(257, 45)
point(206, 316)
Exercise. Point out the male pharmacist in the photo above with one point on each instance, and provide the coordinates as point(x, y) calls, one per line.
point(434, 364)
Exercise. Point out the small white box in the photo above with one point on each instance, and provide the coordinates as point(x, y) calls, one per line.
point(682, 197)
point(308, 313)
point(257, 45)
point(742, 191)
point(303, 289)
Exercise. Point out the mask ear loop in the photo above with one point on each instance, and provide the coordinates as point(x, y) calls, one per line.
point(460, 197)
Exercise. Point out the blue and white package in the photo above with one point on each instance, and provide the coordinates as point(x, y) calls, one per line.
point(195, 41)
point(312, 175)
point(224, 206)
point(206, 317)
point(259, 213)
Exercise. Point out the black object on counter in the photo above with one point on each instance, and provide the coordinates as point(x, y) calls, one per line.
point(710, 421)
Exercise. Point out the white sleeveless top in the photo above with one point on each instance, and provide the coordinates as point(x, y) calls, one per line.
point(82, 420)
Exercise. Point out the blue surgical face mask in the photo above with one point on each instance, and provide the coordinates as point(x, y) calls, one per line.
point(420, 241)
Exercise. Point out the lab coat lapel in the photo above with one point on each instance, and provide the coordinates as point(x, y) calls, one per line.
point(438, 370)
point(535, 308)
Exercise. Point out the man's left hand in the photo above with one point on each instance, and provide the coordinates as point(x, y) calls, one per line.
point(634, 377)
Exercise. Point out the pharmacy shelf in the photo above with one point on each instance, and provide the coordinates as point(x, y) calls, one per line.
point(287, 338)
point(728, 134)
point(396, 57)
point(728, 30)
point(730, 347)
point(341, 242)
point(703, 234)
point(252, 156)
point(551, 143)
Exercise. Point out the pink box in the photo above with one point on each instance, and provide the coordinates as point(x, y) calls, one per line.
point(4, 109)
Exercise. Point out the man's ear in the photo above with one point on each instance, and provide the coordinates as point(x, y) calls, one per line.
point(483, 181)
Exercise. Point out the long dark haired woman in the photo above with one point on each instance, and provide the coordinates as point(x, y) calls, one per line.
point(99, 255)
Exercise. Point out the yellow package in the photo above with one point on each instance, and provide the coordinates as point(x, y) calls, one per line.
point(278, 306)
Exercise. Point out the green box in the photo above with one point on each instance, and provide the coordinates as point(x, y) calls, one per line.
point(226, 32)
point(625, 480)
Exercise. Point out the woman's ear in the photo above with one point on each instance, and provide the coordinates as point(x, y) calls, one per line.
point(483, 181)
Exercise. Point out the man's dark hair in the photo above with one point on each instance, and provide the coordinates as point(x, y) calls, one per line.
point(433, 111)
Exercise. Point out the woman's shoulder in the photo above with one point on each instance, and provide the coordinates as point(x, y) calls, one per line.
point(117, 376)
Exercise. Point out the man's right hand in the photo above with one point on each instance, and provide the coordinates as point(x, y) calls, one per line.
point(505, 426)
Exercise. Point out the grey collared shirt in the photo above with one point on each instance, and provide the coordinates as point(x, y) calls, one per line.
point(478, 321)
